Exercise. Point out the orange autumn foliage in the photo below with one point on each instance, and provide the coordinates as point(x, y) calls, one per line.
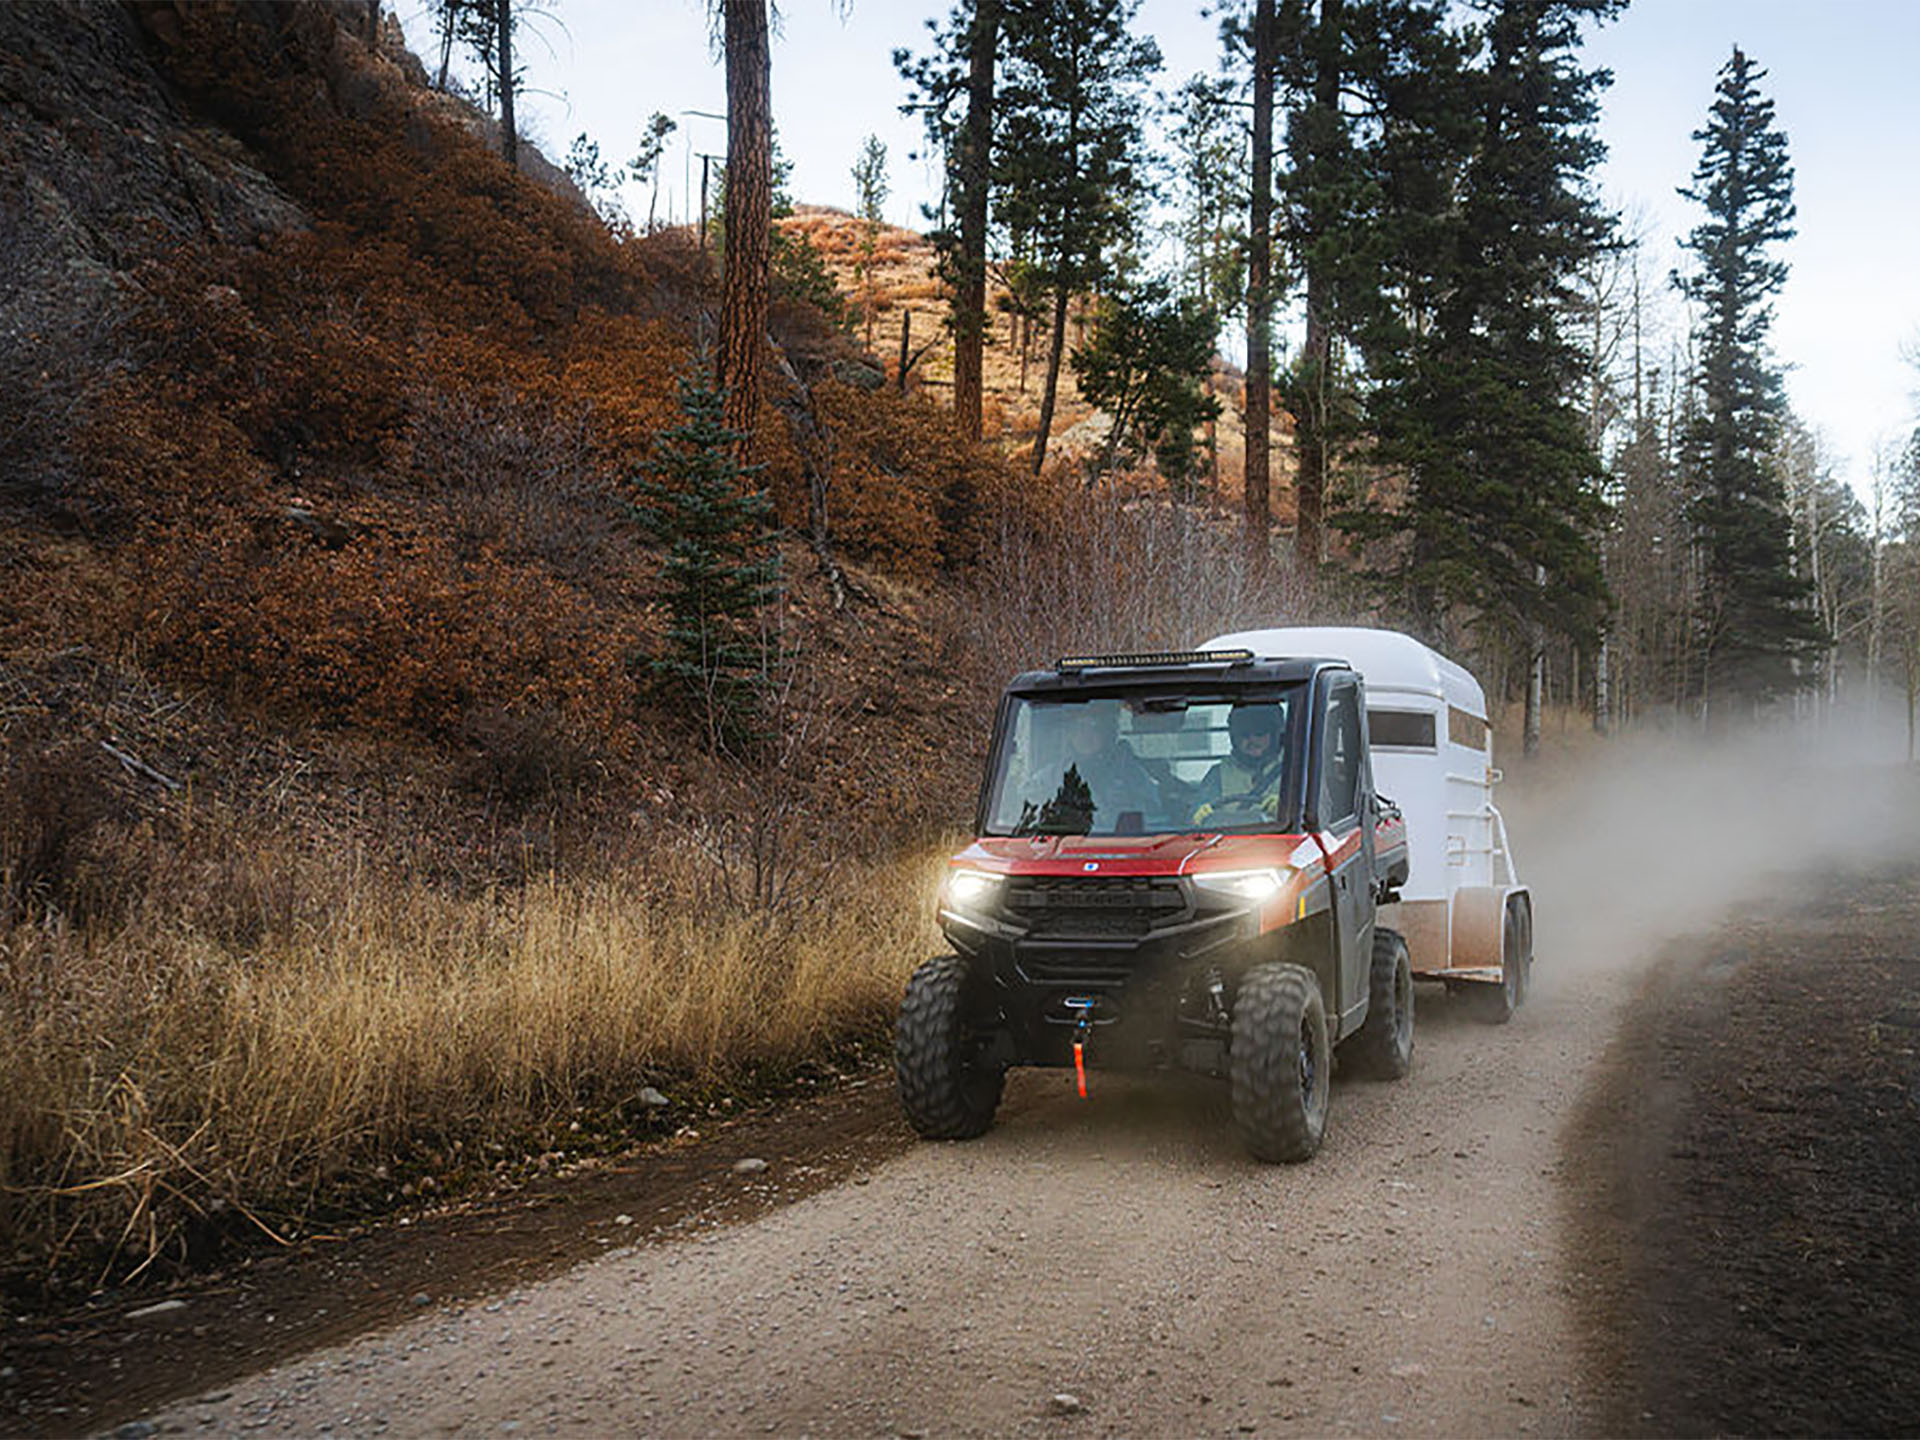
point(374, 471)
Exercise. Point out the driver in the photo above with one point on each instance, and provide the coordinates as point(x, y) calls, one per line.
point(1249, 777)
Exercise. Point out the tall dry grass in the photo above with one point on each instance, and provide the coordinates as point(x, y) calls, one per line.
point(277, 1023)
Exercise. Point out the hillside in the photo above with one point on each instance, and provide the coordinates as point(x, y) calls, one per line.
point(323, 619)
point(906, 291)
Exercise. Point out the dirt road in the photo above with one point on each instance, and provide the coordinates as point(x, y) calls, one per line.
point(1118, 1266)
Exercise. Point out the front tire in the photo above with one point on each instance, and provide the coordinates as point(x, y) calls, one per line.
point(948, 1087)
point(1382, 1049)
point(1281, 1063)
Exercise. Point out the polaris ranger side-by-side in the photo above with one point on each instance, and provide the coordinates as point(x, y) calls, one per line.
point(1183, 861)
point(1179, 863)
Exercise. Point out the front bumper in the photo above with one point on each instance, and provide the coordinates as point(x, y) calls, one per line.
point(1143, 950)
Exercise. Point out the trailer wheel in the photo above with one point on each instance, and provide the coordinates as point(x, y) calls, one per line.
point(1495, 1004)
point(1280, 1065)
point(1383, 1046)
point(948, 1086)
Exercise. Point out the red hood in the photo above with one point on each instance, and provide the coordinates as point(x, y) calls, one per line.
point(1125, 854)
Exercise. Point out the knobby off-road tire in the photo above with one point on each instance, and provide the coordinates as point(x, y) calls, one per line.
point(948, 1089)
point(1382, 1048)
point(1495, 1004)
point(1281, 1065)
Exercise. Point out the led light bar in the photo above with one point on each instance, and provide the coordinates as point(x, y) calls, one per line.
point(1148, 658)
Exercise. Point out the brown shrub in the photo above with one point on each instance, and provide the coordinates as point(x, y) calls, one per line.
point(395, 629)
point(53, 802)
point(522, 757)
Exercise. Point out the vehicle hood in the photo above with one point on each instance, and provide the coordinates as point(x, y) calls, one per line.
point(1125, 854)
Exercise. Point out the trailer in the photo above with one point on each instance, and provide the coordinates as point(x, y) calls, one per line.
point(1465, 913)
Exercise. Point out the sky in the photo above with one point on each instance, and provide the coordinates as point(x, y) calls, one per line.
point(1844, 76)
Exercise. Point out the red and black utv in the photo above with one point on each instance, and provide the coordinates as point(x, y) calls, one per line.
point(1177, 864)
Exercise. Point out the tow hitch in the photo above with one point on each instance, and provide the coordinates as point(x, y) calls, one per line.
point(1084, 1006)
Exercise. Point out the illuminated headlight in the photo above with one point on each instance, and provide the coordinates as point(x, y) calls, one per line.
point(1255, 885)
point(971, 889)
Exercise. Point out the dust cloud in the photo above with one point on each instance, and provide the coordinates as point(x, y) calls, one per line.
point(1632, 842)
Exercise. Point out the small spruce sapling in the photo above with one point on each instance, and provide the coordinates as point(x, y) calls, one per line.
point(721, 569)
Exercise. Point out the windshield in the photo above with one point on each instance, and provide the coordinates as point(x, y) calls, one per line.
point(1145, 764)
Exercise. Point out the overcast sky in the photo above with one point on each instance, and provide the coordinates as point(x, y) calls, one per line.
point(1844, 76)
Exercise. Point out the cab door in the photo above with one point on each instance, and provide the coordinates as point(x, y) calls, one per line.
point(1341, 800)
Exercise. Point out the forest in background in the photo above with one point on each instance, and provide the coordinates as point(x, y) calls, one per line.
point(460, 711)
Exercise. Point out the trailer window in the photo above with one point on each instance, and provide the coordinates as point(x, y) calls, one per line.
point(1404, 729)
point(1464, 729)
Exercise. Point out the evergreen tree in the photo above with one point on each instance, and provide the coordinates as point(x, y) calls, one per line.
point(870, 197)
point(1754, 619)
point(1208, 165)
point(1069, 163)
point(1143, 366)
point(721, 567)
point(645, 165)
point(1379, 124)
point(1476, 410)
point(961, 68)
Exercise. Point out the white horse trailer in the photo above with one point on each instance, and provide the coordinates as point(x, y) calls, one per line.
point(1466, 916)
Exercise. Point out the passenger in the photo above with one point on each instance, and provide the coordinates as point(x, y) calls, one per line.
point(1248, 779)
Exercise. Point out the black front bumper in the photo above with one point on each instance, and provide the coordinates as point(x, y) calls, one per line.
point(1135, 956)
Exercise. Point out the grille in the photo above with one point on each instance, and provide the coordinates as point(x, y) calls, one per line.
point(1092, 908)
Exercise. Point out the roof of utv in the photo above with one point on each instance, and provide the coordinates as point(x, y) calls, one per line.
point(1213, 667)
point(1391, 663)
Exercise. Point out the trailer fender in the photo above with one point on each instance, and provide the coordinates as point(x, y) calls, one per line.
point(1479, 924)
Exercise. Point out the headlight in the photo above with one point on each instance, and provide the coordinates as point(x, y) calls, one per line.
point(1255, 885)
point(971, 889)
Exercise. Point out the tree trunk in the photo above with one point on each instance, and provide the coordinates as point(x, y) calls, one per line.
point(1047, 397)
point(749, 202)
point(1536, 695)
point(1316, 372)
point(1603, 686)
point(970, 296)
point(449, 11)
point(509, 136)
point(1259, 299)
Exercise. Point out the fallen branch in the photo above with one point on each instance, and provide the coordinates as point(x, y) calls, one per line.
point(136, 766)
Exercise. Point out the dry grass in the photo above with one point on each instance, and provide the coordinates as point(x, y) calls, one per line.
point(204, 1065)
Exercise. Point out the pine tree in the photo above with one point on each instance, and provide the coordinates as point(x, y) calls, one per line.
point(1143, 366)
point(1477, 409)
point(721, 567)
point(1754, 619)
point(961, 68)
point(1208, 165)
point(870, 198)
point(1069, 165)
